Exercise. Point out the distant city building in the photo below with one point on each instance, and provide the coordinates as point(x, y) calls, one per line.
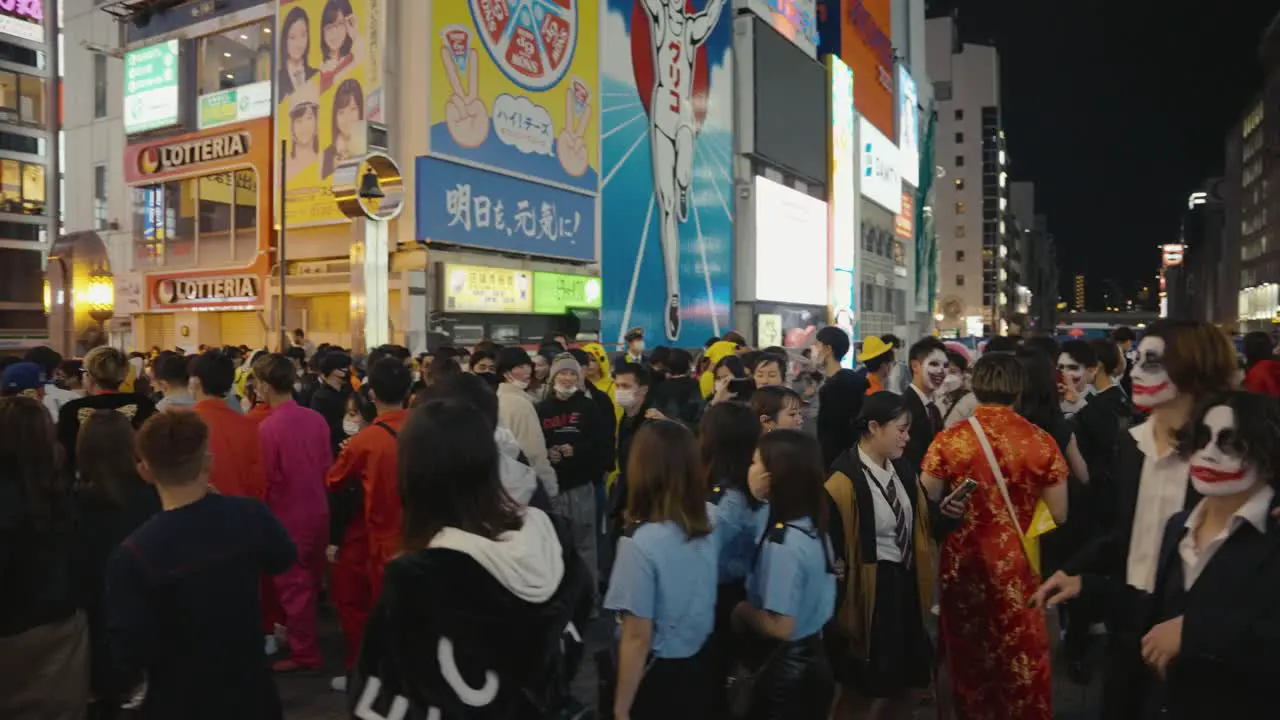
point(1250, 195)
point(1079, 305)
point(979, 265)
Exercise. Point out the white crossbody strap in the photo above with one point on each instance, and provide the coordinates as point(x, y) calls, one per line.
point(995, 470)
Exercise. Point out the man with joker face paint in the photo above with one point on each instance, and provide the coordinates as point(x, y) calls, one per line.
point(1179, 363)
point(1214, 637)
point(1076, 365)
point(928, 361)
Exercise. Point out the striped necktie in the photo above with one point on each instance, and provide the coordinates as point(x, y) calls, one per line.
point(901, 536)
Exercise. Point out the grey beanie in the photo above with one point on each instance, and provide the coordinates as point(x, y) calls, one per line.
point(565, 361)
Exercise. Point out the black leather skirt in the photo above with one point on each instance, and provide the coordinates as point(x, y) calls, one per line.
point(795, 684)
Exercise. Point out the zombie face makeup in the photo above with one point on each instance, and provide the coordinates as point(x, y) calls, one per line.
point(933, 371)
point(1073, 373)
point(1218, 465)
point(1151, 384)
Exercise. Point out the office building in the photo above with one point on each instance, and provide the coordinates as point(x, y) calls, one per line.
point(28, 169)
point(974, 295)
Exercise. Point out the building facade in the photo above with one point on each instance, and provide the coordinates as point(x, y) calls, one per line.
point(29, 103)
point(972, 191)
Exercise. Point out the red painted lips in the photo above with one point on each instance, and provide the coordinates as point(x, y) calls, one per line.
point(1149, 389)
point(1210, 475)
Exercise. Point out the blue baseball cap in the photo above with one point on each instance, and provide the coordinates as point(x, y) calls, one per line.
point(21, 376)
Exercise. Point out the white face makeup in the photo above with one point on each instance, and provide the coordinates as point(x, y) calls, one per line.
point(1151, 384)
point(934, 370)
point(1217, 466)
point(1073, 373)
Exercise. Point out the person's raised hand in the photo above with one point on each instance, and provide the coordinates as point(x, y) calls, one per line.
point(465, 114)
point(571, 144)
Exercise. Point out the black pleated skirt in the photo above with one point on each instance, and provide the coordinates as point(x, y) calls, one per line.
point(901, 656)
point(678, 689)
point(795, 684)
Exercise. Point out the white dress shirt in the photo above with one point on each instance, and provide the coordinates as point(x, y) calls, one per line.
point(1194, 560)
point(886, 524)
point(1162, 491)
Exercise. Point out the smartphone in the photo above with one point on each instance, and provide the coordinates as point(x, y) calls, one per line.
point(965, 490)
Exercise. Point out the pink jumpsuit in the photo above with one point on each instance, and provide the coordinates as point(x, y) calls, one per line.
point(296, 457)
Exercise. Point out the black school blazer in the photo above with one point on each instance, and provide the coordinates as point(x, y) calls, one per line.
point(1231, 626)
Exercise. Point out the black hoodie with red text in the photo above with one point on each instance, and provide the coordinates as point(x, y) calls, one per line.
point(578, 423)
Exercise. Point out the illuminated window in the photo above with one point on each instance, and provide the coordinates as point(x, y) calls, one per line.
point(210, 220)
point(22, 99)
point(960, 208)
point(959, 183)
point(234, 58)
point(22, 188)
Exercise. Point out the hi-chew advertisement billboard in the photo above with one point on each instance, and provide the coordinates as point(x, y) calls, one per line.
point(513, 88)
point(667, 192)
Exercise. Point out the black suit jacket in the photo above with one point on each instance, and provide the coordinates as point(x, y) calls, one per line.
point(1231, 626)
point(1102, 563)
point(922, 431)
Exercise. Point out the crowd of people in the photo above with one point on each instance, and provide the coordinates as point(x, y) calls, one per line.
point(804, 533)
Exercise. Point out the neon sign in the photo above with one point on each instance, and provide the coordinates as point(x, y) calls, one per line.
point(22, 18)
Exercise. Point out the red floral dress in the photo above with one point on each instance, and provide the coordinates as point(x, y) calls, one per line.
point(996, 648)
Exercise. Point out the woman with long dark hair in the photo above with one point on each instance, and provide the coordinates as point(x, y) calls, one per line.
point(514, 582)
point(295, 40)
point(663, 583)
point(882, 652)
point(791, 593)
point(44, 648)
point(112, 500)
point(345, 126)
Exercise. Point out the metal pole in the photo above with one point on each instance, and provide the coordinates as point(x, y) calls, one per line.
point(280, 247)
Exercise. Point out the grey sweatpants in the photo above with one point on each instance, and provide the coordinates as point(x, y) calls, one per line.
point(578, 506)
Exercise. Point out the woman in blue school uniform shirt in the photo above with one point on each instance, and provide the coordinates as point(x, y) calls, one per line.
point(791, 593)
point(664, 582)
point(729, 432)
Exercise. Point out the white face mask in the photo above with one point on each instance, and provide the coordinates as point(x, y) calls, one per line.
point(519, 384)
point(934, 370)
point(951, 383)
point(564, 392)
point(350, 427)
point(1216, 466)
point(625, 397)
point(1151, 384)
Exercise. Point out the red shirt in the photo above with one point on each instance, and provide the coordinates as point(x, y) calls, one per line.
point(370, 458)
point(233, 442)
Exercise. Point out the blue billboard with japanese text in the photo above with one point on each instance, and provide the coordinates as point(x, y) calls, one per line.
point(667, 161)
point(462, 205)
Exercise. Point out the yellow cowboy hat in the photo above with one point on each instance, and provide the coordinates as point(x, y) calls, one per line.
point(873, 347)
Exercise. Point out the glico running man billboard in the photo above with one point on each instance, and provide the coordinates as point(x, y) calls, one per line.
point(667, 194)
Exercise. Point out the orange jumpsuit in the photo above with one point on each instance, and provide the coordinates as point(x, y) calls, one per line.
point(372, 537)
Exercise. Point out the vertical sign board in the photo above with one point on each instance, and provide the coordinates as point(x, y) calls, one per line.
point(908, 129)
point(861, 32)
point(843, 207)
point(151, 97)
point(328, 88)
point(667, 160)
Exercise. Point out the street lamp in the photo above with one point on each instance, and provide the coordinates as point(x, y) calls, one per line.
point(100, 294)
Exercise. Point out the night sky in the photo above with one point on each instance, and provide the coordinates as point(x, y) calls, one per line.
point(1117, 110)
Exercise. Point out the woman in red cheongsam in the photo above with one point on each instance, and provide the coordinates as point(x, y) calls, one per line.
point(995, 646)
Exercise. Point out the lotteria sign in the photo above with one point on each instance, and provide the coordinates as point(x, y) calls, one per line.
point(22, 18)
point(228, 289)
point(167, 158)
